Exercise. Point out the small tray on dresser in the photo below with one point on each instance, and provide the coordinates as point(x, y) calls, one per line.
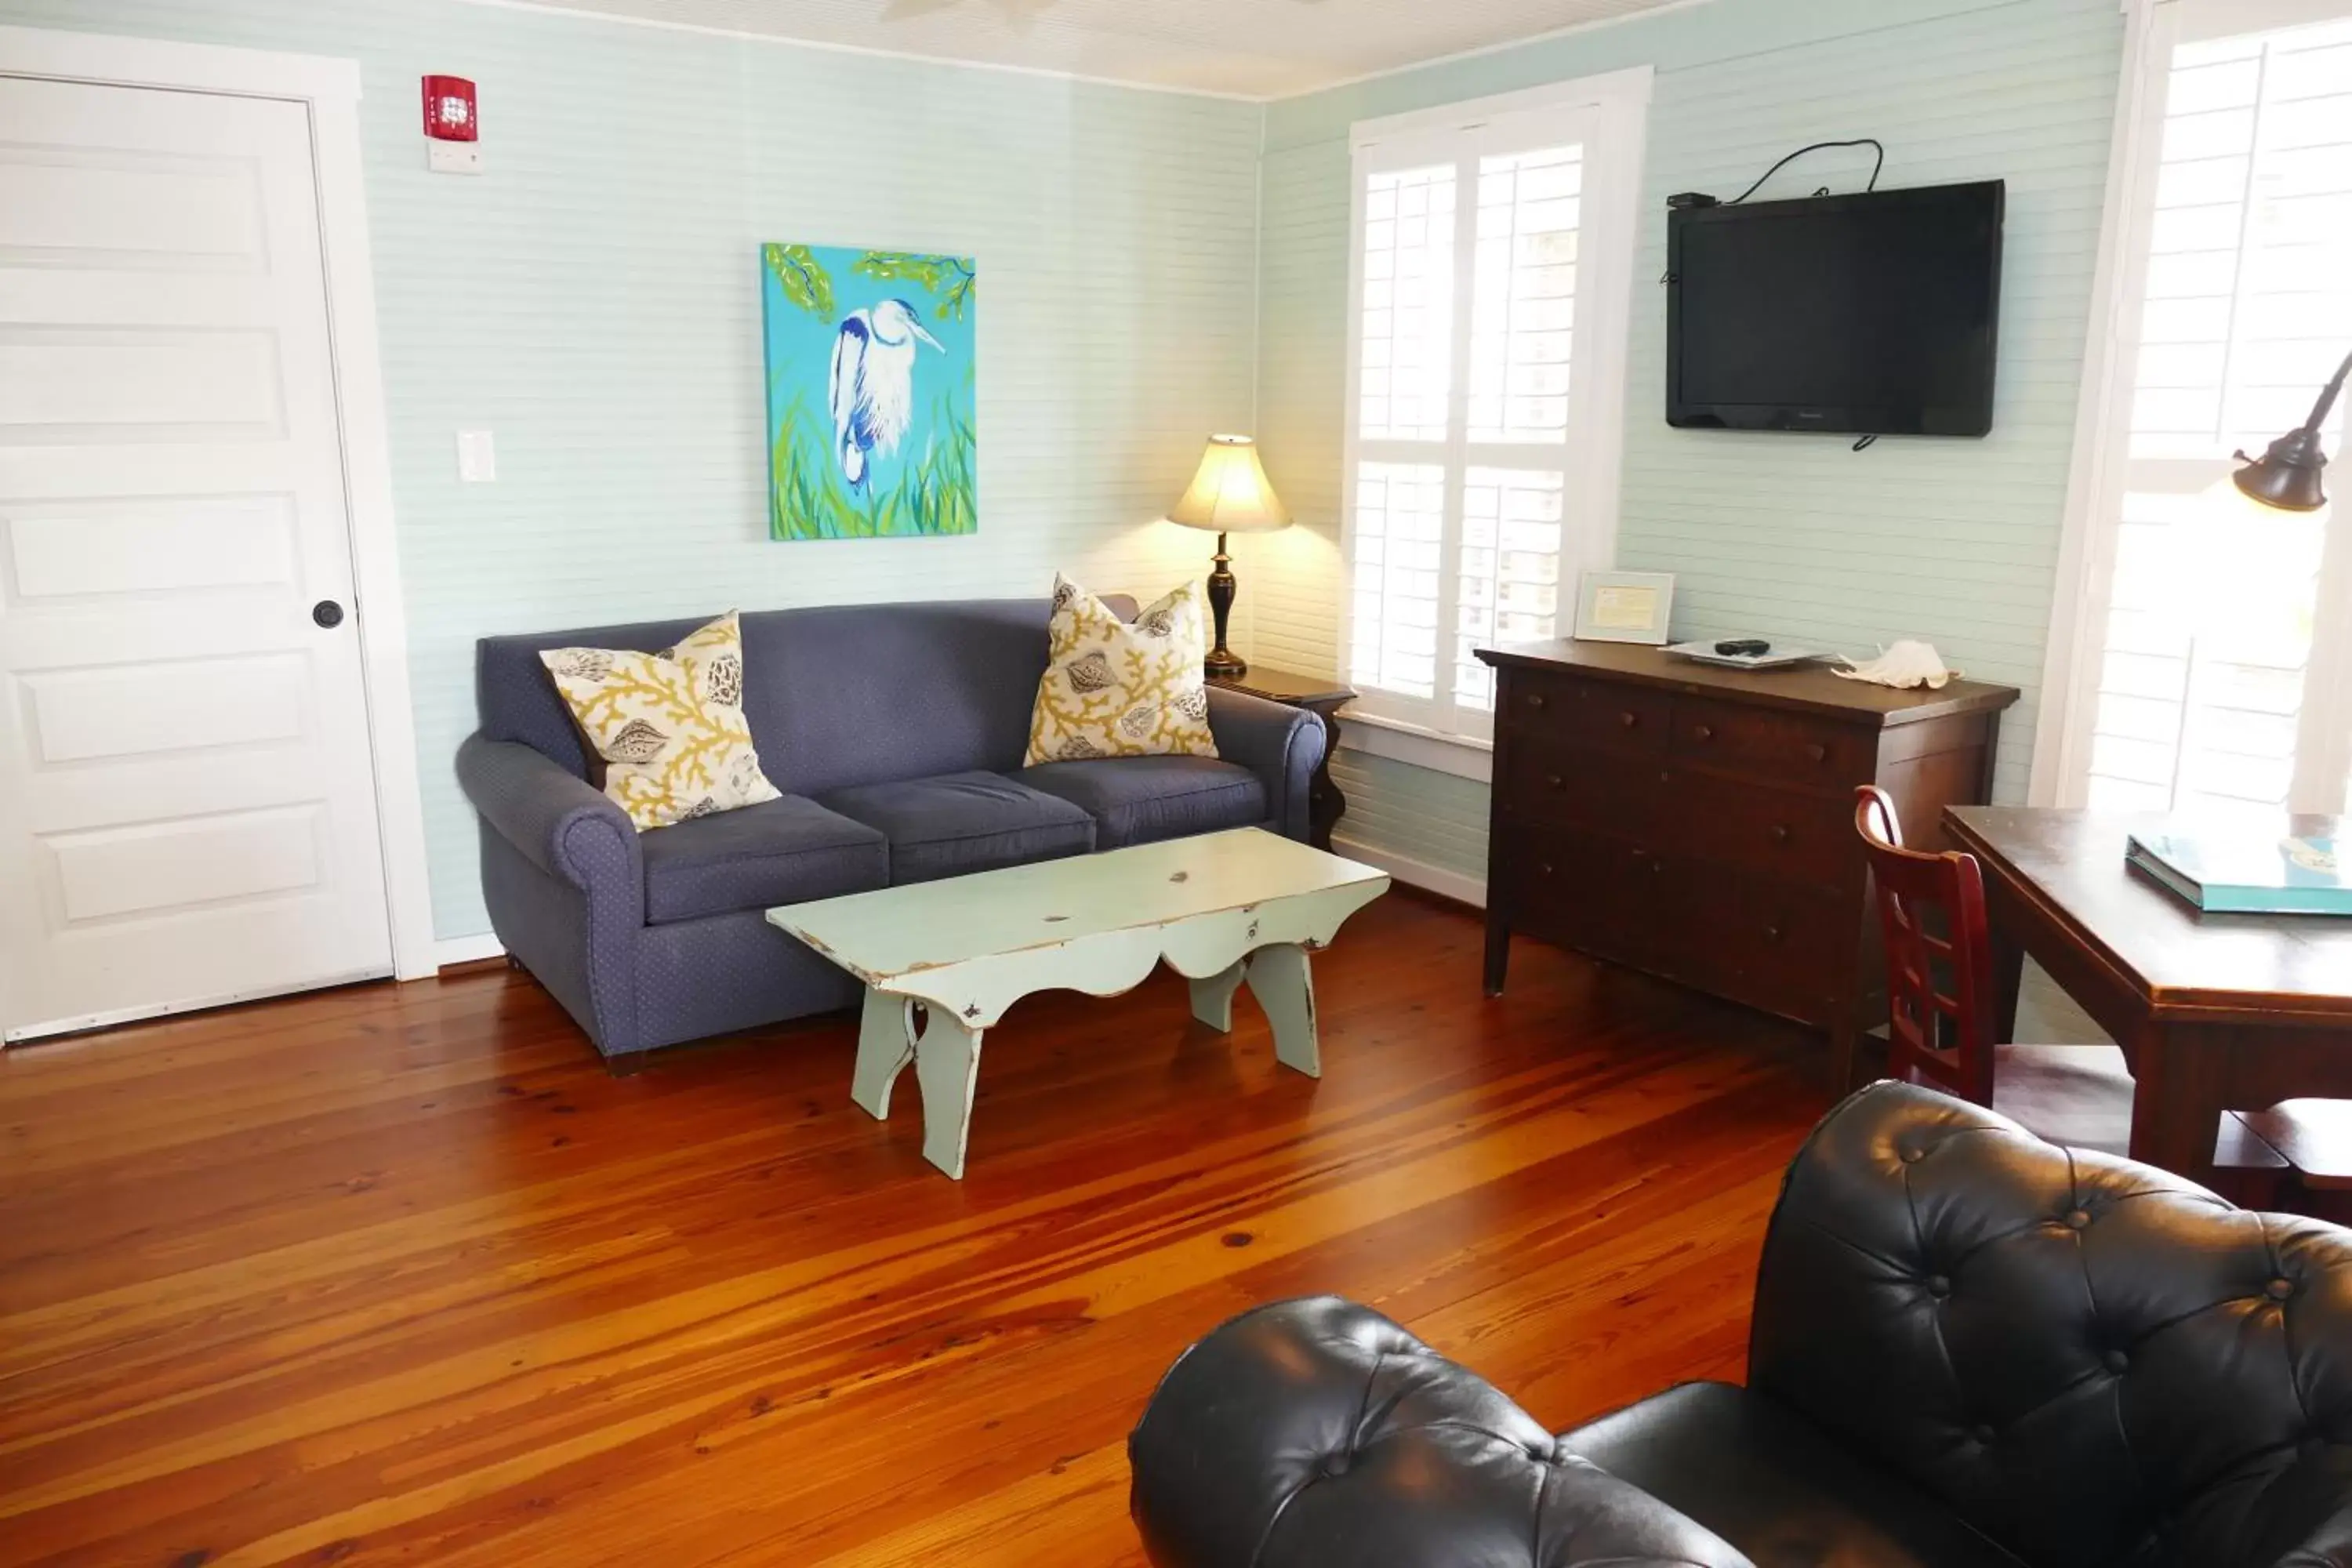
point(1778, 658)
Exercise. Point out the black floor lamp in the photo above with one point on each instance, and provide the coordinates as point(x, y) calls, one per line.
point(2292, 475)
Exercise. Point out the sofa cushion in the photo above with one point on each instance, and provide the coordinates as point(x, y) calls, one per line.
point(1772, 1484)
point(1122, 688)
point(667, 728)
point(1140, 800)
point(957, 823)
point(787, 851)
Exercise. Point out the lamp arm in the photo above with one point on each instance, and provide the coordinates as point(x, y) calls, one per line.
point(2327, 395)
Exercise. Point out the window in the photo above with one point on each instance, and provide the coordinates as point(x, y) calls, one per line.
point(1493, 263)
point(2216, 679)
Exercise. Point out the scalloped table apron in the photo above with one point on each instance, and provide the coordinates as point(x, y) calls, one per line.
point(1221, 909)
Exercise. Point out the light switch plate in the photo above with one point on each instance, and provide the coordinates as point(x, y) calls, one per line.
point(453, 157)
point(478, 459)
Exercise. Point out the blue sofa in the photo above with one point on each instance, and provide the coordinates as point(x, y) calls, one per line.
point(896, 732)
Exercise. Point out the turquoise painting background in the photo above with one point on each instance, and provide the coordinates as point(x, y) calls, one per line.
point(931, 483)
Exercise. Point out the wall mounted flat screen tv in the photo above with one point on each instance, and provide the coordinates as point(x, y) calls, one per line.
point(1870, 315)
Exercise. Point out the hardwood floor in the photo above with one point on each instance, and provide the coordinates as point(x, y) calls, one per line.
point(403, 1274)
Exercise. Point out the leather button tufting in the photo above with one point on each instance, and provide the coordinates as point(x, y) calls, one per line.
point(1336, 1464)
point(1938, 1286)
point(2116, 1361)
point(1981, 1434)
point(2077, 1219)
point(1911, 1157)
point(2279, 1289)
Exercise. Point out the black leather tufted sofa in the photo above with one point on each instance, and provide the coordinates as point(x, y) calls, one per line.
point(1970, 1347)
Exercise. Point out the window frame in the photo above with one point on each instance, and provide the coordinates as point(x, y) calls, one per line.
point(1608, 115)
point(2103, 468)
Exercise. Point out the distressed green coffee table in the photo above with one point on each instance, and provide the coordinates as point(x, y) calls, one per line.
point(1221, 909)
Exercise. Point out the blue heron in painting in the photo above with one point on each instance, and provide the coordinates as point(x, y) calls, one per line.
point(874, 384)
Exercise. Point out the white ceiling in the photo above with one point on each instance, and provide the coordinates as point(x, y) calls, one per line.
point(1253, 49)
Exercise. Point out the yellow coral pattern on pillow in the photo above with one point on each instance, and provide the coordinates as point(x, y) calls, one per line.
point(1120, 690)
point(669, 725)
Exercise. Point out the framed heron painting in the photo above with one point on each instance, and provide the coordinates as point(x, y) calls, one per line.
point(872, 375)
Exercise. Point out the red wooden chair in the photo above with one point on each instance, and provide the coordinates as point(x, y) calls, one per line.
point(1940, 1001)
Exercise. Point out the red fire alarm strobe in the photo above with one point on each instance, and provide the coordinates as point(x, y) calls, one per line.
point(449, 113)
point(453, 126)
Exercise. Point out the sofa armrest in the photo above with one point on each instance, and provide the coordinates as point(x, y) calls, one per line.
point(559, 821)
point(1283, 746)
point(1319, 1432)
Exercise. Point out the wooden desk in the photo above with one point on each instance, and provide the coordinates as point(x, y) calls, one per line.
point(1324, 699)
point(2214, 1013)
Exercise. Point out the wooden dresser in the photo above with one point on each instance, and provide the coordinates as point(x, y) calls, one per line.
point(1697, 823)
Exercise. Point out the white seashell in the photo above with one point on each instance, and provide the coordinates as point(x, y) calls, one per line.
point(1907, 663)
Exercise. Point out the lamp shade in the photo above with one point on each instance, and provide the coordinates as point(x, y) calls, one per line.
point(2290, 476)
point(1230, 494)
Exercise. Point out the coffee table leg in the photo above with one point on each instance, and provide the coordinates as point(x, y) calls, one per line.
point(1212, 999)
point(947, 1065)
point(885, 1044)
point(1284, 986)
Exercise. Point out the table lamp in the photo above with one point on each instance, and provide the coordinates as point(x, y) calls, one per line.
point(1229, 495)
point(2290, 476)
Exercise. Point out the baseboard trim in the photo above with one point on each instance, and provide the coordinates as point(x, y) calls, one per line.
point(1461, 890)
point(456, 950)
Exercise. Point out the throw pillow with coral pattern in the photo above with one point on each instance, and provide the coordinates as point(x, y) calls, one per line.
point(1122, 688)
point(669, 725)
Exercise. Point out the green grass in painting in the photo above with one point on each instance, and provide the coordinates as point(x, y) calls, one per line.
point(935, 495)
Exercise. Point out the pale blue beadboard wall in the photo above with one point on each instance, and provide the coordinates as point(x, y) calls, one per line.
point(1795, 537)
point(593, 299)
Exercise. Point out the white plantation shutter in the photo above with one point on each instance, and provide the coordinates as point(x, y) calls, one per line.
point(1471, 438)
point(2214, 693)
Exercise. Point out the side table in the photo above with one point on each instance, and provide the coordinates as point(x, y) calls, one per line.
point(1324, 699)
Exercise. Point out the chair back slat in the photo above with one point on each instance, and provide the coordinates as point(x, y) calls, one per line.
point(1939, 987)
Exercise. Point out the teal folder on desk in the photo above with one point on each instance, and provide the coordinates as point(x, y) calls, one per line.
point(2244, 874)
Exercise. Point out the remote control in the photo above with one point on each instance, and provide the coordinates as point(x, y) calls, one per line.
point(1744, 647)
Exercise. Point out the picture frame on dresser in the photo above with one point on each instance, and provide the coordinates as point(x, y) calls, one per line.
point(1696, 823)
point(1624, 606)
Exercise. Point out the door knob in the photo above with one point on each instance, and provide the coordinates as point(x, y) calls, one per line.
point(327, 612)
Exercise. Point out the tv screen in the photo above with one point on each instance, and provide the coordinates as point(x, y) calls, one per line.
point(1872, 315)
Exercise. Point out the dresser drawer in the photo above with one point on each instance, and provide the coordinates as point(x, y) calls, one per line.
point(1578, 786)
point(1776, 831)
point(1598, 714)
point(1783, 946)
point(1770, 745)
point(1597, 894)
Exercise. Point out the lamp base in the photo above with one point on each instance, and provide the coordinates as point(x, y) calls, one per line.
point(1222, 663)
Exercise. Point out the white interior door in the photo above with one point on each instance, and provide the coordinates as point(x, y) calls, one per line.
point(187, 810)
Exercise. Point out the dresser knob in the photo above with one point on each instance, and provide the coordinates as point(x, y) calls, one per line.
point(1629, 720)
point(1703, 732)
point(1543, 869)
point(1780, 832)
point(1771, 933)
point(1817, 752)
point(1553, 781)
point(1534, 698)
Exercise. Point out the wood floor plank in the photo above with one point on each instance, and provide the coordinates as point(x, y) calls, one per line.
point(403, 1273)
